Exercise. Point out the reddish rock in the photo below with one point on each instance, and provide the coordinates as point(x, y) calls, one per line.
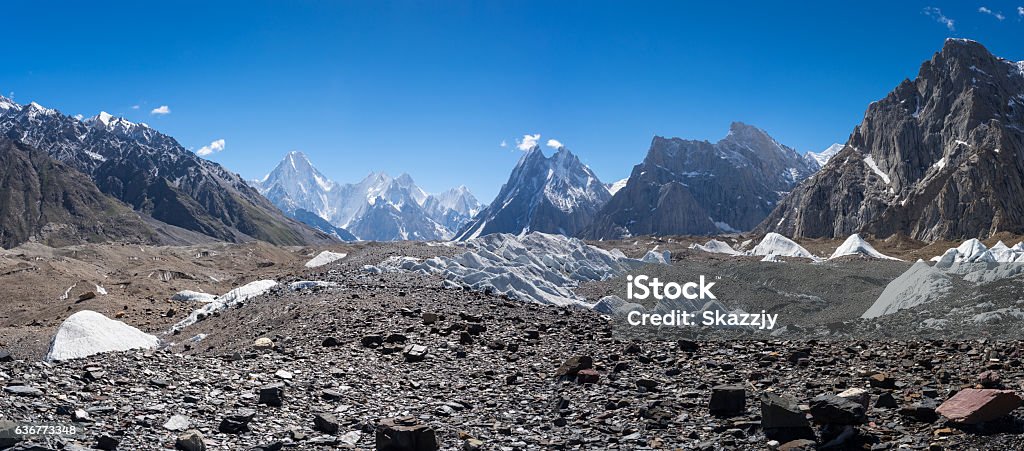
point(588, 376)
point(975, 405)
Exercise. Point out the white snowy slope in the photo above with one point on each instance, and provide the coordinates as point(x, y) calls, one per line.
point(87, 333)
point(820, 158)
point(716, 247)
point(532, 267)
point(778, 245)
point(226, 300)
point(325, 258)
point(974, 251)
point(615, 187)
point(855, 245)
point(920, 284)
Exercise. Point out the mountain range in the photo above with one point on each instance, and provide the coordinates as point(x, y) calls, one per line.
point(940, 157)
point(378, 208)
point(153, 174)
point(687, 187)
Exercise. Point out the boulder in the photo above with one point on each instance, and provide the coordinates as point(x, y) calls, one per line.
point(415, 353)
point(272, 395)
point(974, 406)
point(326, 423)
point(191, 440)
point(237, 422)
point(831, 409)
point(572, 366)
point(728, 400)
point(405, 434)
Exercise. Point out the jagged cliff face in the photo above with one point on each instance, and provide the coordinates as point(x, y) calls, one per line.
point(557, 194)
point(699, 187)
point(940, 157)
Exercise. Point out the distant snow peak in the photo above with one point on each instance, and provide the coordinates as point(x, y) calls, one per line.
point(379, 207)
point(820, 158)
point(615, 187)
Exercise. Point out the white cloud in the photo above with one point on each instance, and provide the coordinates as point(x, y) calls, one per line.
point(554, 144)
point(161, 110)
point(216, 146)
point(79, 116)
point(1020, 11)
point(998, 16)
point(528, 142)
point(503, 143)
point(936, 13)
point(135, 107)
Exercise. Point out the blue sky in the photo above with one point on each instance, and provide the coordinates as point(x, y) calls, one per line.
point(433, 88)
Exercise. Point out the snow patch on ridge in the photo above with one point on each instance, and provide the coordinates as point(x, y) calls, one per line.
point(874, 167)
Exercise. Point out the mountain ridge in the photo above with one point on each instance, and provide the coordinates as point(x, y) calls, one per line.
point(154, 174)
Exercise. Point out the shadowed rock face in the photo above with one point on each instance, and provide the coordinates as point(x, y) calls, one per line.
point(700, 188)
point(47, 201)
point(154, 174)
point(940, 157)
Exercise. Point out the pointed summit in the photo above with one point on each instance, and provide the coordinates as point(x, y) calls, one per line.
point(553, 195)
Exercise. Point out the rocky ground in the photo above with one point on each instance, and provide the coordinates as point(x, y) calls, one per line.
point(396, 356)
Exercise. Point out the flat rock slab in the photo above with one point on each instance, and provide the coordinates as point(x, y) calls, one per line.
point(975, 405)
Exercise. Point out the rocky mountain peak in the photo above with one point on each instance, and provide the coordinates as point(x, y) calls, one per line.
point(937, 158)
point(557, 194)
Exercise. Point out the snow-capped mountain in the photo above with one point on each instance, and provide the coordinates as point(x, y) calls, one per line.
point(295, 184)
point(820, 158)
point(379, 207)
point(687, 187)
point(939, 157)
point(153, 174)
point(453, 208)
point(557, 194)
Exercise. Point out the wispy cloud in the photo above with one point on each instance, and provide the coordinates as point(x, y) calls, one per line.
point(998, 16)
point(135, 107)
point(79, 116)
point(503, 143)
point(528, 142)
point(1020, 11)
point(936, 13)
point(554, 144)
point(161, 110)
point(216, 146)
